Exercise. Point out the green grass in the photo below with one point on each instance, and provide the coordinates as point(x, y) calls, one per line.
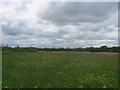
point(59, 70)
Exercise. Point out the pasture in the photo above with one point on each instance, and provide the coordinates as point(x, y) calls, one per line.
point(54, 69)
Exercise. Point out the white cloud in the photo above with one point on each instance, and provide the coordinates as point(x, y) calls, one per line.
point(59, 24)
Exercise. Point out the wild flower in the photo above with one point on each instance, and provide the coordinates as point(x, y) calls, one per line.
point(6, 86)
point(110, 85)
point(35, 86)
point(103, 86)
point(81, 86)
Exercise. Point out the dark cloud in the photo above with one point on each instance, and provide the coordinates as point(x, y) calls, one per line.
point(11, 30)
point(78, 12)
point(17, 27)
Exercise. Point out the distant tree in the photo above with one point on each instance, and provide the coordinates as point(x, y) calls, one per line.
point(17, 46)
point(104, 48)
point(7, 45)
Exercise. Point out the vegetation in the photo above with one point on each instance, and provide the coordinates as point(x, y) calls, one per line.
point(42, 69)
point(87, 49)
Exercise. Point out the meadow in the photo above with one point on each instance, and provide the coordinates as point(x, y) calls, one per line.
point(44, 69)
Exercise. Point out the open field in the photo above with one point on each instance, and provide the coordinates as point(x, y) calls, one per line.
point(59, 69)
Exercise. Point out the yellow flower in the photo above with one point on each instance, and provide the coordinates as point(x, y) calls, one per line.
point(60, 72)
point(103, 86)
point(110, 85)
point(35, 86)
point(90, 77)
point(81, 86)
point(6, 87)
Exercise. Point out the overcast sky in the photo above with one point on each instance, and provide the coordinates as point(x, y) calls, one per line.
point(56, 24)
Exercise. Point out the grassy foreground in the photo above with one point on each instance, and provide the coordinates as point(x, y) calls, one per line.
point(59, 69)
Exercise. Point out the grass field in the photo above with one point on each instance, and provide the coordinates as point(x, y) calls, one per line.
point(59, 69)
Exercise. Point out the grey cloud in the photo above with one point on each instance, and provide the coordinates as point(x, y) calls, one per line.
point(78, 12)
point(17, 27)
point(63, 24)
point(11, 30)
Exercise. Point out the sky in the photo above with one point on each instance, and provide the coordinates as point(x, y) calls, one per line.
point(59, 24)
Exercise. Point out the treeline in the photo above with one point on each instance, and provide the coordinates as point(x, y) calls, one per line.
point(86, 49)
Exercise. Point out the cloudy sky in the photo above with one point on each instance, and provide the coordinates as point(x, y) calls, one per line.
point(56, 24)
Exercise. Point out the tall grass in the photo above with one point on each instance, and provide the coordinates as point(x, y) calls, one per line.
point(59, 69)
